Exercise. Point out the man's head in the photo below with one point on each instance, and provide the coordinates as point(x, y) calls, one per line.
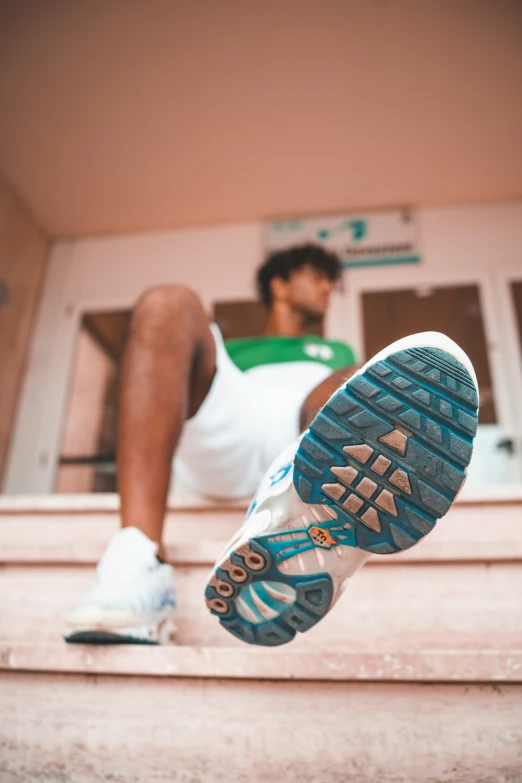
point(300, 279)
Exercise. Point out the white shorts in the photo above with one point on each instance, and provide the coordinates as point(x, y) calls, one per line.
point(241, 427)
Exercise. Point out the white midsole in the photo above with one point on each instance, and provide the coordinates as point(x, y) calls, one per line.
point(160, 631)
point(90, 617)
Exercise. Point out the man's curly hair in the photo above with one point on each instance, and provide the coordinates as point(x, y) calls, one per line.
point(283, 262)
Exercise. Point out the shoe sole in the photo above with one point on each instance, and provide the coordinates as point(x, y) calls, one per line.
point(387, 456)
point(104, 637)
point(157, 632)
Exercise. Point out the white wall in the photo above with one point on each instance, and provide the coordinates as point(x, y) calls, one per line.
point(217, 262)
point(482, 242)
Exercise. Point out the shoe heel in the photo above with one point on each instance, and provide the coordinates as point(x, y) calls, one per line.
point(258, 604)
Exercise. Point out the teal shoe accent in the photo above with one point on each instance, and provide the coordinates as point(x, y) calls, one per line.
point(264, 599)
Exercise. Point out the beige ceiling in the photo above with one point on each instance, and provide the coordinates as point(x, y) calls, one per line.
point(128, 116)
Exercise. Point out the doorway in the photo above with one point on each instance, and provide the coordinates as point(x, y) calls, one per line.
point(465, 311)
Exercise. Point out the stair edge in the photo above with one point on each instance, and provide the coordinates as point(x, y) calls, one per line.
point(441, 666)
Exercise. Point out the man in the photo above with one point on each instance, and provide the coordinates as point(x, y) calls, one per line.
point(383, 458)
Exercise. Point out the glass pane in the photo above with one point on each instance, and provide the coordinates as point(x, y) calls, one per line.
point(87, 455)
point(455, 311)
point(245, 319)
point(240, 318)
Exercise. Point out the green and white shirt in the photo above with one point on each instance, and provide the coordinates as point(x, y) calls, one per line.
point(297, 363)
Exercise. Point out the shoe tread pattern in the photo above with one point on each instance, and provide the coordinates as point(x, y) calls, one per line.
point(417, 411)
point(313, 596)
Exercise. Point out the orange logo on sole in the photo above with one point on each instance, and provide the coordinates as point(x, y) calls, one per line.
point(321, 537)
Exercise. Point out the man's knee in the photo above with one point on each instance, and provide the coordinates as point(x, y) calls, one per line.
point(165, 298)
point(160, 304)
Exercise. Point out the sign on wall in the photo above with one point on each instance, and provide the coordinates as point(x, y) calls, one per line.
point(362, 239)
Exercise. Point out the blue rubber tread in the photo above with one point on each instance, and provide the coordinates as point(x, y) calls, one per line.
point(313, 598)
point(426, 394)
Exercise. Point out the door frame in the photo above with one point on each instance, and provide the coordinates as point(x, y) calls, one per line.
point(513, 343)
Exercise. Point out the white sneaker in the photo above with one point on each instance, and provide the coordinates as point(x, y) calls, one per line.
point(381, 462)
point(132, 600)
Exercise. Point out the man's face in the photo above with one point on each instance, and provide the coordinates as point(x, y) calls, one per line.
point(308, 291)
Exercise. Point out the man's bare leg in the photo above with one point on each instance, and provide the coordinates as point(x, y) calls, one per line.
point(167, 369)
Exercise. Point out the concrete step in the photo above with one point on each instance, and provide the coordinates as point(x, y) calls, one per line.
point(458, 589)
point(76, 529)
point(415, 675)
point(94, 729)
point(253, 663)
point(465, 606)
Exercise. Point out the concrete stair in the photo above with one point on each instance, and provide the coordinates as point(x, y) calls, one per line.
point(416, 674)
